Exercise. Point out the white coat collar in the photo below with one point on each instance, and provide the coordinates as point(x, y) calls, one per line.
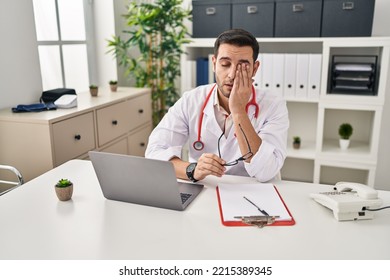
point(209, 122)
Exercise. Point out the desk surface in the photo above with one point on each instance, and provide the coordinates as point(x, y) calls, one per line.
point(35, 225)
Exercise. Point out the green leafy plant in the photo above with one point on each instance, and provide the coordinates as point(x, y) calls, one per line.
point(63, 183)
point(113, 82)
point(345, 130)
point(93, 86)
point(158, 31)
point(296, 142)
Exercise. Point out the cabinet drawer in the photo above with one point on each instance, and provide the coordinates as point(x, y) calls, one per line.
point(73, 137)
point(119, 147)
point(138, 141)
point(112, 122)
point(140, 110)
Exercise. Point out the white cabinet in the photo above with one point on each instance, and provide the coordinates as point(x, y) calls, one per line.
point(315, 110)
point(118, 122)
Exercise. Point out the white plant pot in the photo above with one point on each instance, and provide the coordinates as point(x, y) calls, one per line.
point(344, 144)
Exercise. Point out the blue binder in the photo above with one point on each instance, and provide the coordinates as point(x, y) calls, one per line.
point(202, 71)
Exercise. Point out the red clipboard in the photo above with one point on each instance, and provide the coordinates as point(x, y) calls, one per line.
point(238, 223)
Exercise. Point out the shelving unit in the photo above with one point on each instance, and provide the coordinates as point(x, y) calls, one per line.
point(316, 120)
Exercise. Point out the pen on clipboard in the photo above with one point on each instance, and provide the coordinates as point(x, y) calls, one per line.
point(258, 208)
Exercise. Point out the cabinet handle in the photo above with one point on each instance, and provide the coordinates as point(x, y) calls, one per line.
point(301, 86)
point(277, 85)
point(114, 122)
point(313, 87)
point(142, 144)
point(211, 11)
point(77, 137)
point(251, 9)
point(348, 6)
point(297, 8)
point(289, 86)
point(140, 111)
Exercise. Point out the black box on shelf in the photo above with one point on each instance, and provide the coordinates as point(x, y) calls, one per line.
point(298, 18)
point(347, 18)
point(210, 17)
point(255, 16)
point(351, 74)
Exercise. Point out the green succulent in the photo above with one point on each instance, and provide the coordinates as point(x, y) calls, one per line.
point(63, 183)
point(297, 139)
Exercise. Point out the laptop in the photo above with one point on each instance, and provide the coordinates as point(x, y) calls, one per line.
point(142, 181)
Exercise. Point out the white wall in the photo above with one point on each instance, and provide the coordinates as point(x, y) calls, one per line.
point(104, 29)
point(20, 77)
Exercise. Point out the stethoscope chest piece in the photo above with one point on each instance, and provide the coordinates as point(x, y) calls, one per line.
point(198, 145)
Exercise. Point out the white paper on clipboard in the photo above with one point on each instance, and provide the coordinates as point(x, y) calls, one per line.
point(265, 196)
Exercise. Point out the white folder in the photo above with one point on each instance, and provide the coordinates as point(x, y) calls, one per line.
point(211, 69)
point(290, 69)
point(313, 91)
point(278, 73)
point(259, 74)
point(302, 75)
point(266, 81)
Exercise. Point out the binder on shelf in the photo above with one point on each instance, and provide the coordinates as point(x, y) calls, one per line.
point(278, 73)
point(266, 67)
point(302, 75)
point(202, 71)
point(252, 200)
point(290, 68)
point(259, 74)
point(313, 91)
point(211, 78)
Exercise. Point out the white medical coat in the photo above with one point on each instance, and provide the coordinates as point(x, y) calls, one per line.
point(180, 125)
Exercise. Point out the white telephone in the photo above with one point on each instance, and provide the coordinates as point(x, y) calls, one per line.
point(349, 201)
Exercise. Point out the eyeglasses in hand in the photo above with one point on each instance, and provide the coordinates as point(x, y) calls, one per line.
point(248, 155)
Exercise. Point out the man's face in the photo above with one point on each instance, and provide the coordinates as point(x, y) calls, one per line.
point(225, 65)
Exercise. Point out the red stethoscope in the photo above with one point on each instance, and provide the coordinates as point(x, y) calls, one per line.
point(198, 144)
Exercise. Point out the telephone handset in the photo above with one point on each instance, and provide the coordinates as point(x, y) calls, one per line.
point(349, 201)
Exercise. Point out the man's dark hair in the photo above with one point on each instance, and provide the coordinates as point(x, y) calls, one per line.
point(237, 37)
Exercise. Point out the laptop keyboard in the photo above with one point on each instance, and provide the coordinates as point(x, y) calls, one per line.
point(185, 197)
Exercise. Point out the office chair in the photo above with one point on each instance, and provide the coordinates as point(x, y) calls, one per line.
point(14, 184)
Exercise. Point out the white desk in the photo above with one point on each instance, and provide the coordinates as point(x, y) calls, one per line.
point(35, 225)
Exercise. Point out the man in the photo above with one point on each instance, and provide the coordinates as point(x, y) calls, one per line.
point(231, 128)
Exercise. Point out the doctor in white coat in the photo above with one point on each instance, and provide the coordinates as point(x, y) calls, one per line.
point(231, 127)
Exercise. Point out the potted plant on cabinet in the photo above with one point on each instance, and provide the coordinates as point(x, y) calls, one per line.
point(158, 31)
point(296, 142)
point(64, 189)
point(93, 89)
point(345, 132)
point(113, 85)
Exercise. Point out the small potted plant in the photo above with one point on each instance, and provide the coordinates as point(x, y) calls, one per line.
point(296, 142)
point(93, 89)
point(345, 132)
point(64, 189)
point(113, 85)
